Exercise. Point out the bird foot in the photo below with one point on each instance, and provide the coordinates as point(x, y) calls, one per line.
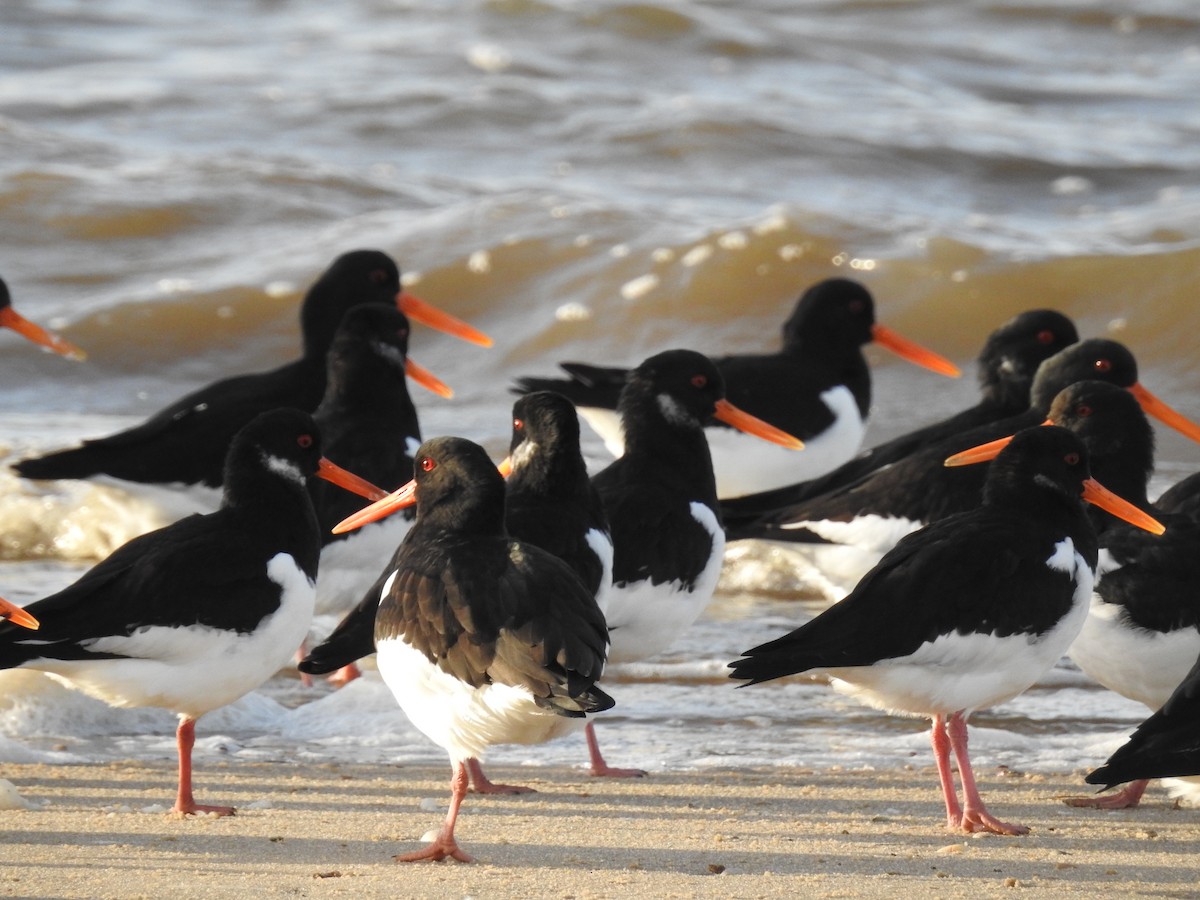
point(607, 771)
point(192, 809)
point(976, 820)
point(436, 852)
point(1126, 798)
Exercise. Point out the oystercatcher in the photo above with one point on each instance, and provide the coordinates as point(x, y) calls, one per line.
point(816, 388)
point(1142, 632)
point(10, 318)
point(550, 503)
point(661, 500)
point(1166, 745)
point(967, 612)
point(1007, 364)
point(844, 533)
point(185, 443)
point(194, 615)
point(482, 639)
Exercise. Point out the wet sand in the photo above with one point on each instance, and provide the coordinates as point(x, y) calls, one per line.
point(330, 830)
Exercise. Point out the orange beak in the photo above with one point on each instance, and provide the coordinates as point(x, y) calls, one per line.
point(1098, 495)
point(17, 615)
point(743, 421)
point(9, 318)
point(1093, 491)
point(403, 496)
point(982, 453)
point(426, 379)
point(913, 352)
point(505, 466)
point(428, 314)
point(335, 474)
point(1155, 407)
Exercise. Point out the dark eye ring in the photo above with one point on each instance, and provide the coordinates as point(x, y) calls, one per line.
point(1072, 458)
point(305, 441)
point(1083, 410)
point(699, 381)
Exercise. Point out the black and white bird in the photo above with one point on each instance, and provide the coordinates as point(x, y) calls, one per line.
point(31, 331)
point(194, 615)
point(185, 443)
point(844, 533)
point(1007, 365)
point(550, 503)
point(967, 612)
point(1166, 745)
point(661, 500)
point(817, 388)
point(482, 639)
point(1142, 632)
point(10, 612)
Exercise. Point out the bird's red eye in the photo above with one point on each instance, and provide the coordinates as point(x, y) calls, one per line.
point(856, 306)
point(1071, 459)
point(305, 441)
point(699, 381)
point(518, 425)
point(377, 276)
point(1103, 365)
point(1083, 410)
point(402, 332)
point(1045, 337)
point(427, 464)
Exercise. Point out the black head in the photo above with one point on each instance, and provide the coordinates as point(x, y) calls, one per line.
point(360, 276)
point(1045, 458)
point(834, 310)
point(5, 296)
point(1097, 359)
point(375, 329)
point(281, 445)
point(542, 419)
point(1011, 356)
point(680, 387)
point(1118, 436)
point(458, 487)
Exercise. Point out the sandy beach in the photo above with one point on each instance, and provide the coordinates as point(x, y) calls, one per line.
point(330, 831)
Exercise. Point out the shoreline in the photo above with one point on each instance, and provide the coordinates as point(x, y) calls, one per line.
point(330, 829)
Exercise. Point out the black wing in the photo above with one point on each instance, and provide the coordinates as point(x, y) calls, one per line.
point(1166, 745)
point(979, 568)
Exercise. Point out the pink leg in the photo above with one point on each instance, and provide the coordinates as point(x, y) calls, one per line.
point(975, 816)
point(601, 769)
point(444, 844)
point(185, 739)
point(941, 754)
point(481, 785)
point(305, 678)
point(1126, 798)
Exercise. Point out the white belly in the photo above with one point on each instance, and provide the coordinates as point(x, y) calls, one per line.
point(967, 672)
point(1142, 665)
point(644, 619)
point(194, 669)
point(348, 567)
point(463, 720)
